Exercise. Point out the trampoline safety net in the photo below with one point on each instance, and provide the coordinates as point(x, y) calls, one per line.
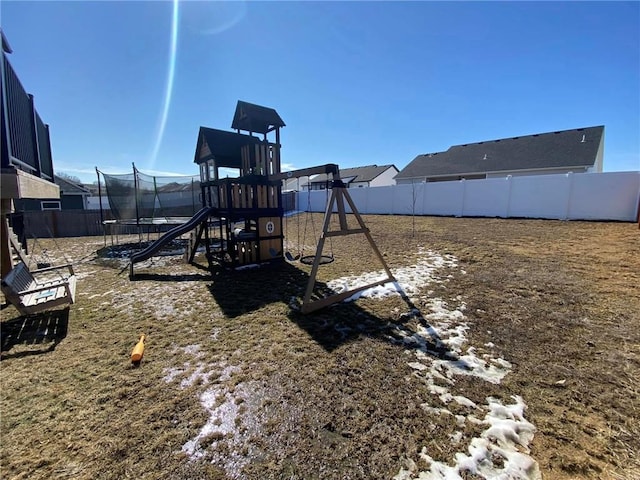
point(137, 196)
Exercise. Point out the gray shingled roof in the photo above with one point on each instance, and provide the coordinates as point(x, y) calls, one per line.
point(563, 149)
point(356, 174)
point(255, 118)
point(67, 187)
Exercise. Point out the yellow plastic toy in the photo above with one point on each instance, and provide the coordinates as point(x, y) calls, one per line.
point(138, 351)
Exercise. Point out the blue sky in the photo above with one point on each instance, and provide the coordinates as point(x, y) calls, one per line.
point(357, 83)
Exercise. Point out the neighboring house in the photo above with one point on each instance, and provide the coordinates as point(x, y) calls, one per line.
point(291, 185)
point(368, 176)
point(73, 196)
point(579, 151)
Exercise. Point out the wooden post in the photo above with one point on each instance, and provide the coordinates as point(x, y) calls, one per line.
point(306, 302)
point(6, 261)
point(338, 194)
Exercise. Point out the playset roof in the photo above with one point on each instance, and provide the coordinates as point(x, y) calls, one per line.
point(256, 118)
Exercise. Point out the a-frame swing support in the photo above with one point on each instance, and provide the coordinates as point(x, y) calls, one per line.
point(339, 193)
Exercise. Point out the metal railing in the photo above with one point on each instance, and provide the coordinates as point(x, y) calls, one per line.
point(27, 136)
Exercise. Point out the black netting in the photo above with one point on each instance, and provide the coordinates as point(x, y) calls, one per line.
point(174, 196)
point(121, 193)
point(145, 197)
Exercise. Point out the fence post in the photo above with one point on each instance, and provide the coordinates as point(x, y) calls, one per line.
point(510, 180)
point(393, 203)
point(464, 191)
point(568, 212)
point(365, 208)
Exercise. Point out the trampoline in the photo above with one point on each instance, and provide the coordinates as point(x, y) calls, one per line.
point(138, 203)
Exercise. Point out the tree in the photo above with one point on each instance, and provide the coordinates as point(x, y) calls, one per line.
point(71, 178)
point(414, 198)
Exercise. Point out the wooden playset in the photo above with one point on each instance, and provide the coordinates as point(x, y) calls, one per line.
point(241, 220)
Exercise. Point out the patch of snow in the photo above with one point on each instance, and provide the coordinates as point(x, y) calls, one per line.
point(505, 440)
point(219, 403)
point(435, 410)
point(91, 297)
point(440, 352)
point(409, 280)
point(80, 275)
point(174, 372)
point(222, 410)
point(193, 350)
point(464, 401)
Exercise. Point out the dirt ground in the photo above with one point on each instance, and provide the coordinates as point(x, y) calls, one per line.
point(237, 384)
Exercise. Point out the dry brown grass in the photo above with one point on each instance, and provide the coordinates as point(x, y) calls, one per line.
point(327, 395)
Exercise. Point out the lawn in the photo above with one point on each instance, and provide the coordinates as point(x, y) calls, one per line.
point(513, 350)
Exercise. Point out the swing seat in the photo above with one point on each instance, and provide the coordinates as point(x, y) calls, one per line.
point(39, 290)
point(309, 259)
point(290, 258)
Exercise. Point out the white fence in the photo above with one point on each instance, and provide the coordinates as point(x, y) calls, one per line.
point(585, 196)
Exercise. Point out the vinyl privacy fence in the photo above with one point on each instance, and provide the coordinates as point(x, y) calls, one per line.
point(591, 196)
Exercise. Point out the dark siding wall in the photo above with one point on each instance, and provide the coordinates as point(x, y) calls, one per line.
point(71, 202)
point(67, 202)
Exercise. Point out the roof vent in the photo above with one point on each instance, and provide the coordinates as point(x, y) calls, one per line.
point(485, 157)
point(583, 140)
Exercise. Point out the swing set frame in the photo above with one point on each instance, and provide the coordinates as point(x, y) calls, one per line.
point(339, 198)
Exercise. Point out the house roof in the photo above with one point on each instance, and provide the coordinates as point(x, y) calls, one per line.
point(255, 118)
point(561, 149)
point(224, 146)
point(356, 174)
point(190, 183)
point(67, 187)
point(294, 184)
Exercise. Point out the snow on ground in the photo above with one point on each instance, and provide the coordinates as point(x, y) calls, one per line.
point(223, 406)
point(441, 353)
point(161, 299)
point(500, 452)
point(410, 279)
